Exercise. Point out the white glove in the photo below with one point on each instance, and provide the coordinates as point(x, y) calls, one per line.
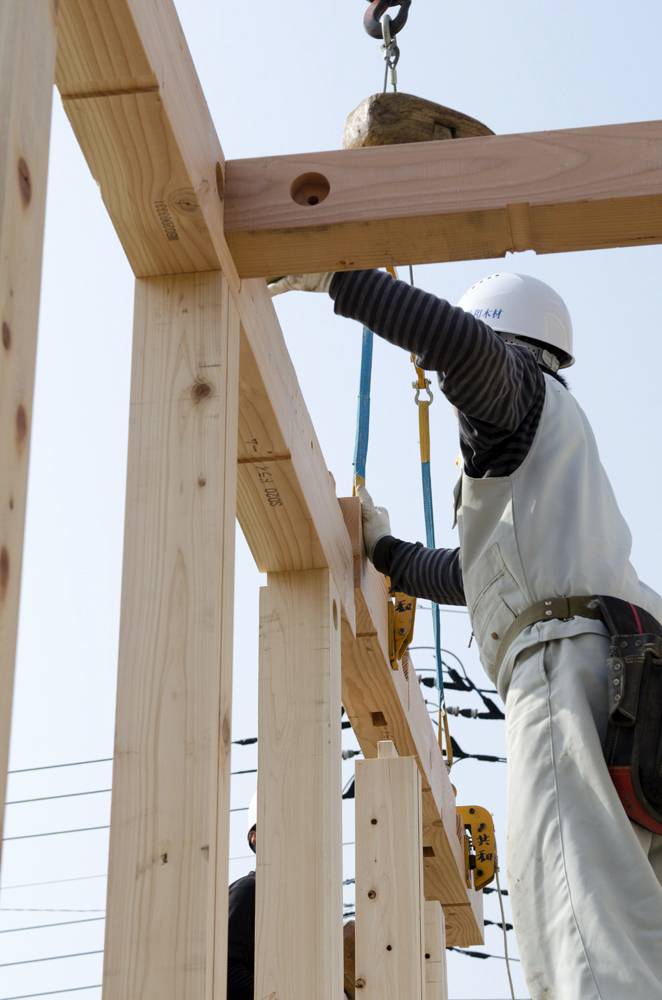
point(300, 283)
point(376, 523)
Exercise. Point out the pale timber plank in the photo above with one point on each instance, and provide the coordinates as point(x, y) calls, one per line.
point(573, 189)
point(298, 931)
point(166, 933)
point(133, 97)
point(134, 100)
point(286, 501)
point(436, 977)
point(27, 66)
point(387, 704)
point(389, 880)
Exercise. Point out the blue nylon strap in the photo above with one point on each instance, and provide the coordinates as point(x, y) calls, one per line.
point(363, 408)
point(429, 541)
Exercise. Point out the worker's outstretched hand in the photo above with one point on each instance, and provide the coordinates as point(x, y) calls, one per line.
point(300, 283)
point(376, 523)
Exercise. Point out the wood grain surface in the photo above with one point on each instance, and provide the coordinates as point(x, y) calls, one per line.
point(574, 189)
point(27, 65)
point(384, 704)
point(166, 931)
point(436, 976)
point(298, 932)
point(389, 879)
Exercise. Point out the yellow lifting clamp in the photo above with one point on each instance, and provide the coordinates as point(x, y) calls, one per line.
point(401, 614)
point(479, 849)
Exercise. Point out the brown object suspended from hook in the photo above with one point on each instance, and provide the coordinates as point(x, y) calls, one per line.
point(389, 119)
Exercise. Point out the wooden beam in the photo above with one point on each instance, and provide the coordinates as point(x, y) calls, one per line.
point(27, 65)
point(552, 192)
point(286, 499)
point(153, 150)
point(387, 704)
point(298, 928)
point(436, 977)
point(389, 878)
point(166, 931)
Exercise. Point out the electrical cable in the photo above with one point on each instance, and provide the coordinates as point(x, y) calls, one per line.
point(477, 954)
point(56, 833)
point(50, 958)
point(64, 923)
point(49, 798)
point(494, 923)
point(57, 881)
point(42, 909)
point(51, 993)
point(50, 767)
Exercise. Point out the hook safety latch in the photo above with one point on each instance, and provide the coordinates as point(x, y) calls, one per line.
point(373, 15)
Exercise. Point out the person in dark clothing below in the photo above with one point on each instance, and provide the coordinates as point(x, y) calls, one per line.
point(241, 925)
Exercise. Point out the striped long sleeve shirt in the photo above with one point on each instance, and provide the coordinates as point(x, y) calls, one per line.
point(497, 388)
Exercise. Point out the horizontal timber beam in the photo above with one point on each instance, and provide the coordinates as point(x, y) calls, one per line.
point(386, 704)
point(552, 192)
point(154, 152)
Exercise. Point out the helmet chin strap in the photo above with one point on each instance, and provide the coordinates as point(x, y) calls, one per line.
point(542, 355)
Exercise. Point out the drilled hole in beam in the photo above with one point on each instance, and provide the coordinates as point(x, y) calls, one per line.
point(310, 189)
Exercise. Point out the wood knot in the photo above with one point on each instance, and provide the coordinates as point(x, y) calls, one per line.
point(24, 181)
point(4, 569)
point(21, 423)
point(202, 390)
point(372, 894)
point(6, 336)
point(360, 984)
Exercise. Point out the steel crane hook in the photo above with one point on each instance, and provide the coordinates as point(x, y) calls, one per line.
point(374, 13)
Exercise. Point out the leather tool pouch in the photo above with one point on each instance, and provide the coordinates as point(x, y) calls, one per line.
point(633, 743)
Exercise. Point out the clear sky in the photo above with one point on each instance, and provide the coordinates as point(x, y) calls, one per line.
point(281, 79)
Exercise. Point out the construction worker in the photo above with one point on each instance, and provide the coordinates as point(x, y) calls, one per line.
point(537, 521)
point(241, 924)
point(241, 930)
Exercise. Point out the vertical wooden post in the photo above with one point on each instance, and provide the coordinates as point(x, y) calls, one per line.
point(436, 979)
point(166, 933)
point(28, 34)
point(389, 878)
point(298, 928)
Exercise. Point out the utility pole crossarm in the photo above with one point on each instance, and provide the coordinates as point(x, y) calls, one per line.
point(424, 202)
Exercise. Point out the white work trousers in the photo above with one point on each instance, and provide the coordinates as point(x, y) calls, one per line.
point(584, 882)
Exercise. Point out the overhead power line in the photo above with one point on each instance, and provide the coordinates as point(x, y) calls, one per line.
point(57, 881)
point(42, 909)
point(49, 767)
point(51, 993)
point(51, 958)
point(49, 798)
point(494, 923)
point(477, 954)
point(64, 923)
point(57, 833)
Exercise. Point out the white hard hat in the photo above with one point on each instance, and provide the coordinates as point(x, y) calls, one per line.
point(252, 813)
point(520, 305)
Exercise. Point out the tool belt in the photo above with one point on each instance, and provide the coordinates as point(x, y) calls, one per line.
point(633, 743)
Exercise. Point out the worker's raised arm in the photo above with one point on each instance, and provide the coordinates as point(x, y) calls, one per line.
point(497, 387)
point(482, 376)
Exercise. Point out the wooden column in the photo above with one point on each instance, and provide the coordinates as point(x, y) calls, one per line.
point(298, 928)
point(27, 69)
point(389, 878)
point(436, 978)
point(166, 934)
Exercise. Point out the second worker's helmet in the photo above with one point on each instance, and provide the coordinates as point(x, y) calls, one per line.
point(517, 305)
